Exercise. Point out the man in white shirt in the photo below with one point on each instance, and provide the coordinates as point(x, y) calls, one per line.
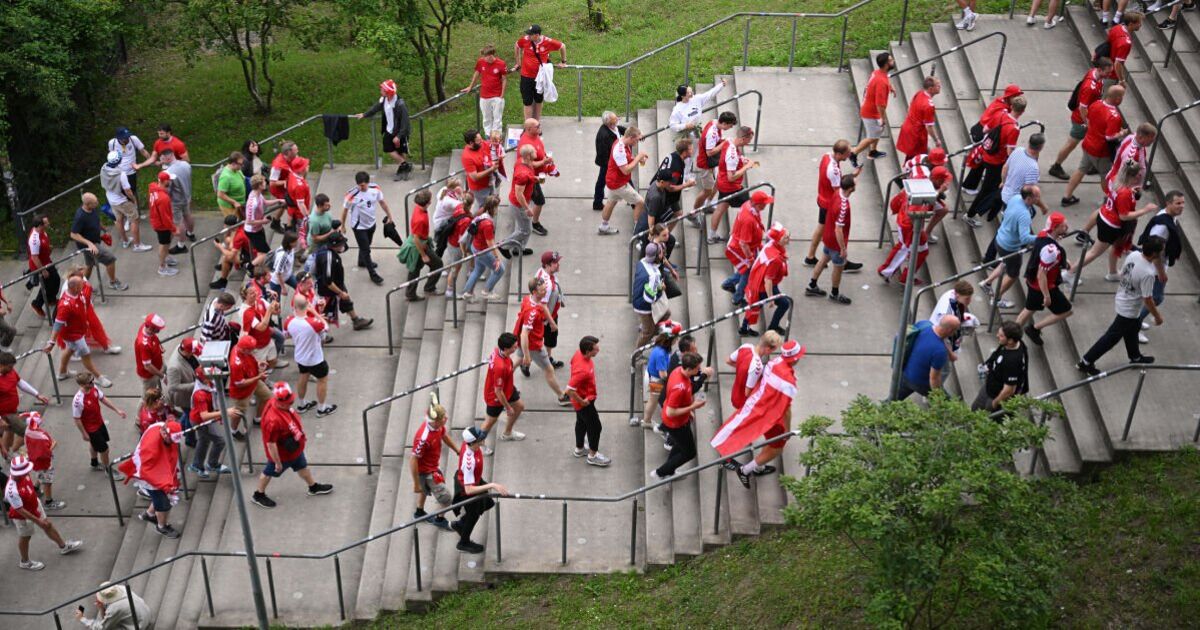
point(1135, 292)
point(685, 116)
point(305, 327)
point(121, 198)
point(359, 207)
point(128, 145)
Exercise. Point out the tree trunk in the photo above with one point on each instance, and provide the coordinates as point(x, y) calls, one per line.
point(264, 49)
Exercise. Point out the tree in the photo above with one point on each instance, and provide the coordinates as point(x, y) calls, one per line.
point(243, 29)
point(931, 500)
point(417, 33)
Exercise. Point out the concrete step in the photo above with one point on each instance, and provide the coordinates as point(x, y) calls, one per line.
point(193, 607)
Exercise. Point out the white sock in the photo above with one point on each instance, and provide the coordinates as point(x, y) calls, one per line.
point(968, 13)
point(302, 402)
point(749, 468)
point(603, 224)
point(1116, 17)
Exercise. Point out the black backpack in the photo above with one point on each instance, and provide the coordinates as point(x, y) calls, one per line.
point(1073, 102)
point(991, 142)
point(1103, 49)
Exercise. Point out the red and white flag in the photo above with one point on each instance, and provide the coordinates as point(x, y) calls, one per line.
point(154, 461)
point(766, 405)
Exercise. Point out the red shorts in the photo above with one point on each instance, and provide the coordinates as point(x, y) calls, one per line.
point(778, 429)
point(294, 212)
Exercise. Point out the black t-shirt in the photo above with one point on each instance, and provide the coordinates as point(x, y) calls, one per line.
point(328, 268)
point(1007, 367)
point(660, 203)
point(87, 225)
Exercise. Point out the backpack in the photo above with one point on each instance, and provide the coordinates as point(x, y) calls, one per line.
point(910, 339)
point(977, 132)
point(991, 142)
point(1103, 49)
point(1073, 102)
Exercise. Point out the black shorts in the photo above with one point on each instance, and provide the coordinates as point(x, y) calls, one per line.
point(1059, 303)
point(1012, 264)
point(538, 198)
point(164, 236)
point(820, 215)
point(494, 412)
point(392, 144)
point(549, 336)
point(335, 305)
point(1106, 233)
point(258, 241)
point(318, 371)
point(529, 93)
point(737, 200)
point(99, 439)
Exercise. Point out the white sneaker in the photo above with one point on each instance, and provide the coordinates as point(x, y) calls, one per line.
point(450, 294)
point(605, 230)
point(487, 450)
point(1068, 278)
point(168, 271)
point(635, 421)
point(933, 238)
point(1112, 277)
point(62, 376)
point(125, 243)
point(171, 262)
point(142, 247)
point(467, 297)
point(579, 452)
point(515, 436)
point(971, 22)
point(103, 381)
point(1003, 303)
point(112, 350)
point(490, 297)
point(1143, 338)
point(1051, 22)
point(1030, 20)
point(1145, 326)
point(599, 459)
point(70, 546)
point(961, 24)
point(32, 565)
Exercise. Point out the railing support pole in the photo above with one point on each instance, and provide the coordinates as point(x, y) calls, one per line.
point(633, 534)
point(271, 589)
point(1137, 394)
point(453, 297)
point(100, 284)
point(717, 504)
point(564, 532)
point(329, 151)
point(792, 47)
point(375, 147)
point(366, 440)
point(57, 621)
point(1171, 44)
point(479, 113)
point(757, 124)
point(519, 255)
point(337, 570)
point(842, 48)
point(53, 378)
point(903, 22)
point(421, 127)
point(195, 274)
point(579, 95)
point(687, 62)
point(999, 62)
point(898, 354)
point(1078, 274)
point(499, 536)
point(132, 609)
point(387, 309)
point(746, 45)
point(995, 302)
point(963, 175)
point(417, 555)
point(628, 90)
point(112, 484)
point(207, 586)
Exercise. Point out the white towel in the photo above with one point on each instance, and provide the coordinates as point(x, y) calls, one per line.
point(545, 83)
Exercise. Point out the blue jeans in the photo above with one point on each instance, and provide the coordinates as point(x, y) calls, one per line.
point(290, 281)
point(782, 305)
point(737, 282)
point(1157, 295)
point(482, 263)
point(277, 337)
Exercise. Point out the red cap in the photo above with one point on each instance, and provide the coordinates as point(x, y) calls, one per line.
point(164, 176)
point(283, 392)
point(1011, 90)
point(792, 351)
point(551, 257)
point(937, 156)
point(1054, 220)
point(670, 327)
point(939, 175)
point(761, 198)
point(299, 164)
point(155, 322)
point(176, 431)
point(247, 343)
point(388, 88)
point(191, 345)
point(777, 231)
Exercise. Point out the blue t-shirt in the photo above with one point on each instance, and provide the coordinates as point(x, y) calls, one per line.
point(659, 361)
point(929, 352)
point(87, 225)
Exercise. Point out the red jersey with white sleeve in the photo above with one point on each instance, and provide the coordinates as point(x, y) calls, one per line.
point(829, 180)
point(148, 352)
point(427, 447)
point(533, 319)
point(915, 167)
point(470, 465)
point(731, 160)
point(40, 251)
point(620, 155)
point(551, 280)
point(749, 368)
point(21, 493)
point(85, 407)
point(838, 217)
point(1119, 202)
point(770, 264)
point(281, 170)
point(1091, 88)
point(914, 133)
point(499, 375)
point(10, 399)
point(1120, 44)
point(583, 379)
point(747, 233)
point(1128, 151)
point(710, 137)
point(72, 315)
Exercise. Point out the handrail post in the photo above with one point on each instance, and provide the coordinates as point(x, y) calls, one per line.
point(132, 608)
point(53, 378)
point(57, 621)
point(387, 309)
point(499, 536)
point(421, 127)
point(271, 588)
point(479, 112)
point(195, 273)
point(995, 302)
point(99, 283)
point(842, 48)
point(1137, 394)
point(417, 554)
point(746, 45)
point(112, 484)
point(757, 124)
point(903, 22)
point(337, 570)
point(633, 534)
point(453, 284)
point(208, 586)
point(898, 353)
point(687, 62)
point(578, 94)
point(1171, 45)
point(329, 151)
point(1078, 275)
point(999, 61)
point(520, 255)
point(564, 532)
point(628, 90)
point(717, 507)
point(792, 47)
point(375, 147)
point(883, 224)
point(366, 439)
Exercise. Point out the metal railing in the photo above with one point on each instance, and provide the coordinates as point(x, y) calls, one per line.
point(686, 40)
point(638, 352)
point(48, 301)
point(999, 60)
point(192, 255)
point(701, 243)
point(405, 394)
point(49, 361)
point(336, 554)
point(179, 334)
point(1154, 145)
point(965, 152)
point(735, 97)
point(180, 467)
point(387, 298)
point(429, 185)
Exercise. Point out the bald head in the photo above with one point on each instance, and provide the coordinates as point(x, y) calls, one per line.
point(75, 284)
point(299, 303)
point(531, 125)
point(947, 326)
point(1115, 94)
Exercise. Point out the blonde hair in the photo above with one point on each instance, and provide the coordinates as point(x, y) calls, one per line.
point(436, 412)
point(257, 181)
point(772, 339)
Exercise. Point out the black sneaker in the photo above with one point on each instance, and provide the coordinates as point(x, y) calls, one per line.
point(362, 323)
point(525, 371)
point(1058, 172)
point(276, 225)
point(168, 531)
point(811, 291)
point(527, 252)
point(505, 253)
point(326, 410)
point(1087, 368)
point(854, 160)
point(239, 436)
point(556, 363)
point(96, 465)
point(875, 155)
point(219, 283)
point(810, 262)
point(306, 406)
point(539, 229)
point(1069, 201)
point(1166, 24)
point(1034, 334)
point(764, 471)
point(262, 500)
point(376, 278)
point(731, 464)
point(146, 518)
point(469, 546)
point(742, 477)
point(839, 298)
point(747, 332)
point(191, 236)
point(319, 488)
point(1144, 359)
point(177, 249)
point(440, 522)
point(851, 267)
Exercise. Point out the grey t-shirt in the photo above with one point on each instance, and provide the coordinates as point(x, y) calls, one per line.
point(181, 186)
point(1137, 284)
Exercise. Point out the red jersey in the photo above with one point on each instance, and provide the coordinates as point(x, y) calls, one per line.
point(499, 375)
point(534, 55)
point(161, 217)
point(491, 77)
point(427, 447)
point(583, 379)
point(1050, 258)
point(476, 161)
point(10, 398)
point(470, 465)
point(21, 493)
point(460, 226)
point(710, 137)
point(279, 424)
point(1127, 151)
point(914, 133)
point(770, 264)
point(992, 113)
point(485, 232)
point(1120, 44)
point(242, 367)
point(829, 179)
point(1118, 204)
point(678, 396)
point(419, 224)
point(620, 155)
point(523, 175)
point(148, 352)
point(731, 161)
point(251, 317)
point(281, 169)
point(875, 97)
point(202, 403)
point(1091, 88)
point(749, 368)
point(838, 217)
point(540, 151)
point(915, 167)
point(1010, 131)
point(533, 319)
point(298, 191)
point(85, 407)
point(240, 242)
point(39, 249)
point(146, 417)
point(174, 144)
point(747, 232)
point(1104, 123)
point(72, 315)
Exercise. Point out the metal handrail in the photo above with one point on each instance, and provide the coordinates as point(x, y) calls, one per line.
point(965, 153)
point(404, 394)
point(844, 14)
point(999, 60)
point(387, 298)
point(757, 115)
point(420, 116)
point(984, 266)
point(49, 361)
point(192, 254)
point(431, 184)
point(179, 334)
point(1154, 145)
point(335, 554)
point(638, 352)
point(47, 299)
point(701, 243)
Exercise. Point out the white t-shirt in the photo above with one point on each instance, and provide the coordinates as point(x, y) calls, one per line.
point(116, 198)
point(361, 205)
point(444, 208)
point(254, 211)
point(1137, 284)
point(285, 263)
point(128, 152)
point(306, 335)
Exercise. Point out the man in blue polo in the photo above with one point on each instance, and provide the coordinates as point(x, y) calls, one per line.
point(923, 369)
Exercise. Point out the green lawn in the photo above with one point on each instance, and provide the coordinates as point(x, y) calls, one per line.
point(1135, 563)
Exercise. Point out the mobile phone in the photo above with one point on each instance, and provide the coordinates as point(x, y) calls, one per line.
point(81, 608)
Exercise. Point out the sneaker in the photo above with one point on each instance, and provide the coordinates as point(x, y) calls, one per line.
point(934, 238)
point(219, 283)
point(599, 459)
point(168, 531)
point(747, 332)
point(117, 285)
point(1143, 338)
point(812, 291)
point(875, 155)
point(262, 500)
point(960, 25)
point(198, 471)
point(449, 294)
point(32, 565)
point(972, 222)
point(240, 436)
point(635, 421)
point(1087, 368)
point(487, 450)
point(1068, 278)
point(1051, 22)
point(852, 267)
point(487, 296)
point(839, 298)
point(376, 278)
point(125, 243)
point(118, 476)
point(605, 230)
point(326, 410)
point(715, 238)
point(694, 221)
point(1057, 172)
point(1167, 24)
point(1069, 201)
point(168, 271)
point(1003, 303)
point(177, 249)
point(971, 22)
point(1112, 277)
point(515, 436)
point(564, 401)
point(764, 471)
point(70, 546)
point(557, 364)
point(62, 376)
point(171, 262)
point(191, 236)
point(112, 350)
point(1030, 21)
point(742, 477)
point(145, 517)
point(469, 546)
point(810, 262)
point(362, 323)
point(467, 297)
point(103, 381)
point(579, 452)
point(854, 160)
point(142, 247)
point(54, 505)
point(1143, 360)
point(440, 522)
point(985, 289)
point(319, 488)
point(539, 229)
point(1034, 334)
point(654, 473)
point(306, 406)
point(220, 470)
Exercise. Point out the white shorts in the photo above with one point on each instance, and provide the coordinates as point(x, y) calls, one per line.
point(872, 127)
point(706, 178)
point(627, 194)
point(267, 352)
point(493, 114)
point(25, 528)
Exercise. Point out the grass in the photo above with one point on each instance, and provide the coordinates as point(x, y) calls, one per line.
point(1135, 563)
